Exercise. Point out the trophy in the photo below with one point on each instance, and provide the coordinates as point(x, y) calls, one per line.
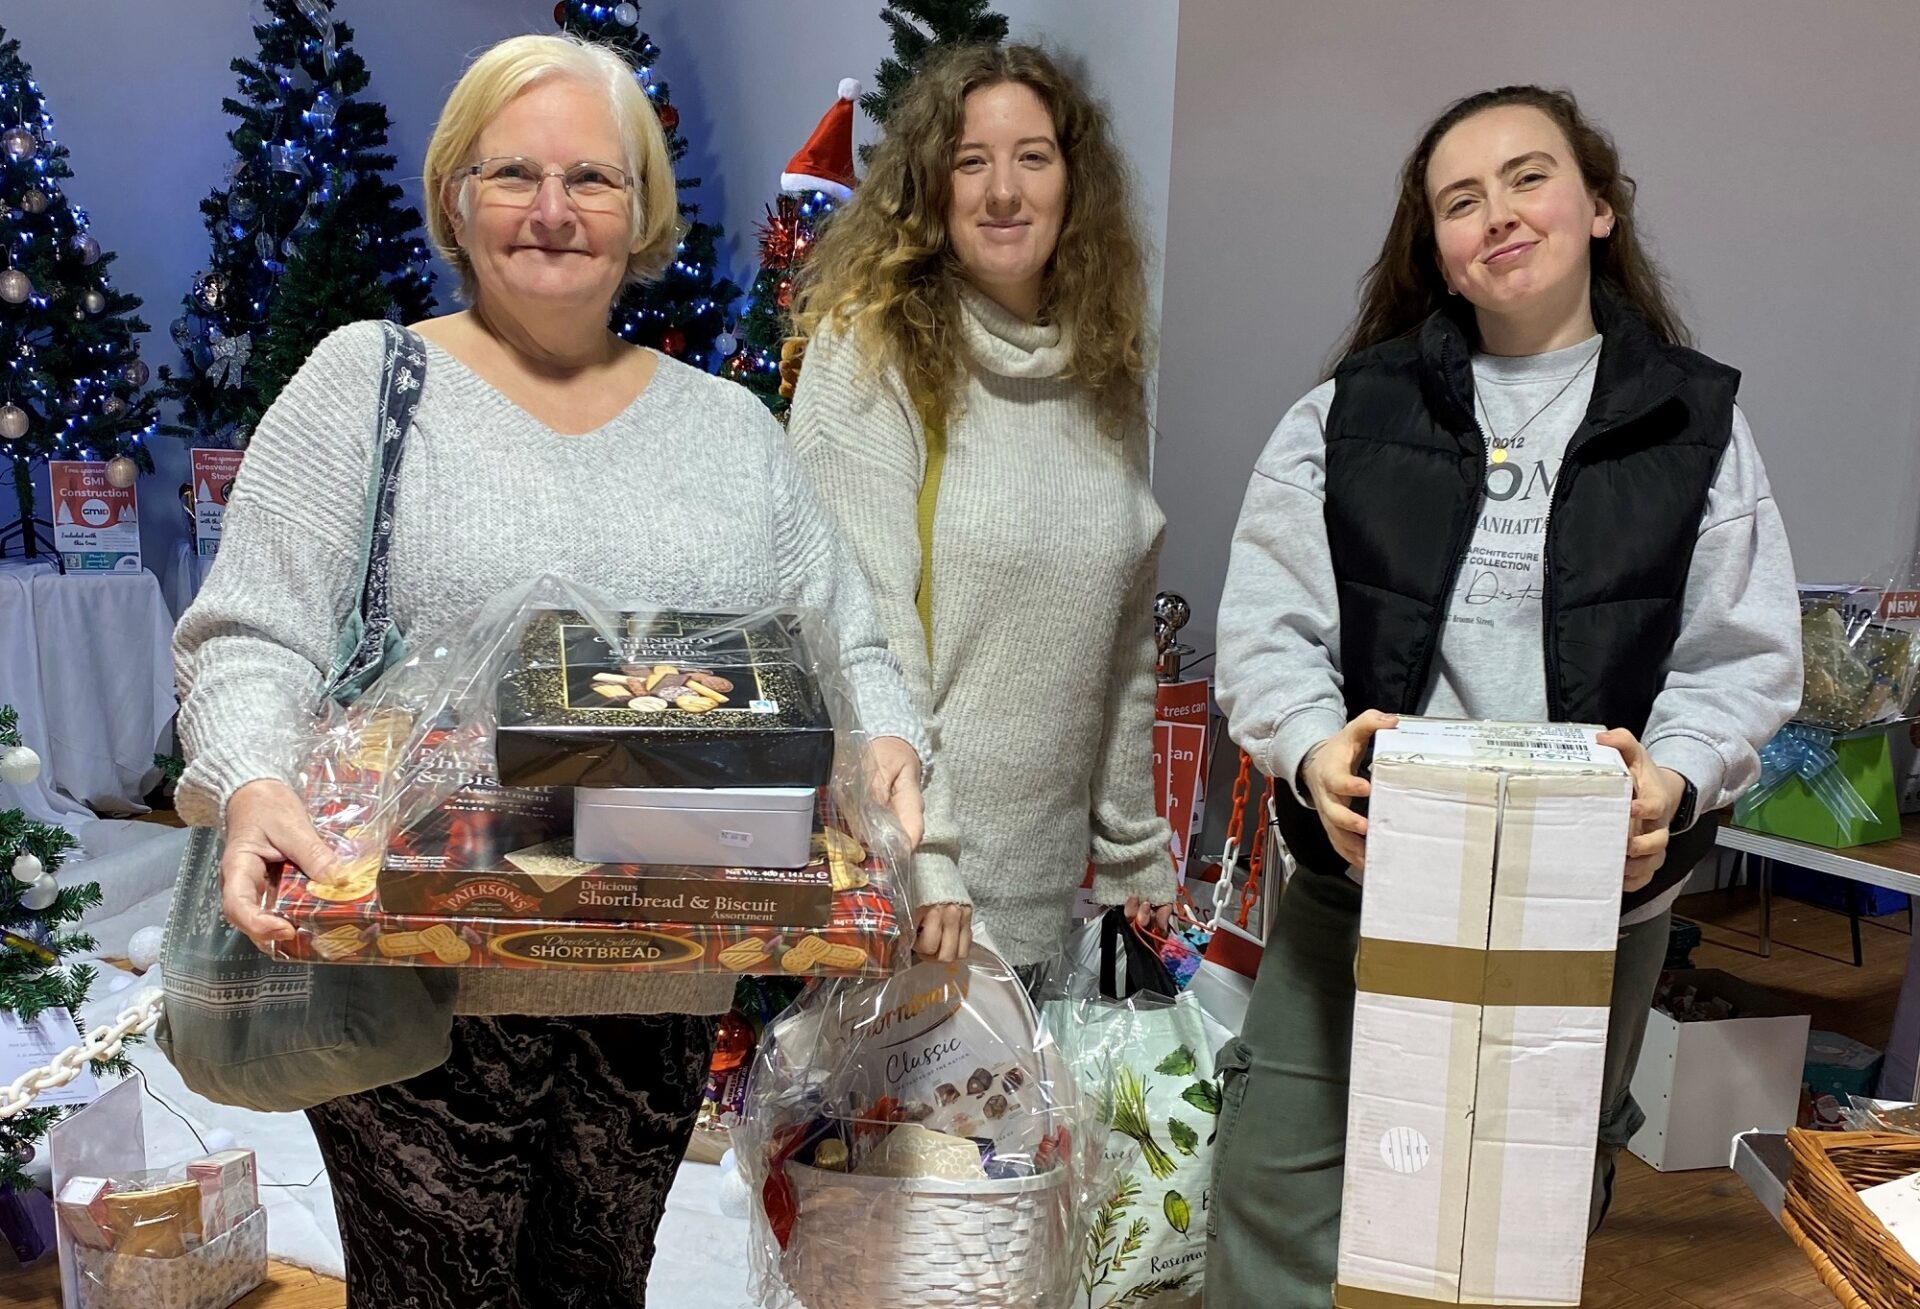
point(1170, 614)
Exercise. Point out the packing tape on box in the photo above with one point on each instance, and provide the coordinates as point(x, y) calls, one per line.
point(1358, 1297)
point(1458, 975)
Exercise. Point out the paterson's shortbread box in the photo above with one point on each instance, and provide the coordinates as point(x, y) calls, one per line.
point(1495, 857)
point(492, 851)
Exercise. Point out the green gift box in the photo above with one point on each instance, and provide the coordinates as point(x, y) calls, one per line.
point(1798, 810)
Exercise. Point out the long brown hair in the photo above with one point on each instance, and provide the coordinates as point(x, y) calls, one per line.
point(1404, 287)
point(885, 266)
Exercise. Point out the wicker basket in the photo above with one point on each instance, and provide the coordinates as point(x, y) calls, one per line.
point(1856, 1257)
point(885, 1243)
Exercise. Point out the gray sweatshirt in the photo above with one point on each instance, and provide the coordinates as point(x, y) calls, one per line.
point(689, 498)
point(1733, 677)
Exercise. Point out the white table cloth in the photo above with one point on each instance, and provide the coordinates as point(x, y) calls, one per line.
point(86, 659)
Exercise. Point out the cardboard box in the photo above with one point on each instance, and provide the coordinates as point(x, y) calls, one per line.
point(1701, 1084)
point(765, 722)
point(1839, 1065)
point(82, 1209)
point(1795, 812)
point(229, 1190)
point(1488, 930)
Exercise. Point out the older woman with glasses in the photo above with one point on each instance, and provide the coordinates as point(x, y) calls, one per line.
point(534, 1165)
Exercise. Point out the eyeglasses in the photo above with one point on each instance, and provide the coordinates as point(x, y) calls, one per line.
point(515, 180)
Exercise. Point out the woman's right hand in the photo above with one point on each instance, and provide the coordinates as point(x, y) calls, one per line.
point(1330, 774)
point(266, 824)
point(943, 931)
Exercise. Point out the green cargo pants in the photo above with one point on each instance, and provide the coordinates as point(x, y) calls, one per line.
point(1273, 1224)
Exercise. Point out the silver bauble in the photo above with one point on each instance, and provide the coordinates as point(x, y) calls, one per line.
point(15, 286)
point(13, 422)
point(93, 302)
point(1172, 607)
point(87, 248)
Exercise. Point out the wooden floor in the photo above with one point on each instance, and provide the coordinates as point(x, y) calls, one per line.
point(1692, 1240)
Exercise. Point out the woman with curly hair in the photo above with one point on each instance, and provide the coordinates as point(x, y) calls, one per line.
point(972, 408)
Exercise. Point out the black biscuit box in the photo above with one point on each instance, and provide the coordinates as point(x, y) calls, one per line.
point(498, 852)
point(676, 700)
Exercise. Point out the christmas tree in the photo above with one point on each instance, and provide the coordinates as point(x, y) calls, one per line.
point(308, 172)
point(70, 370)
point(917, 29)
point(35, 935)
point(816, 179)
point(684, 312)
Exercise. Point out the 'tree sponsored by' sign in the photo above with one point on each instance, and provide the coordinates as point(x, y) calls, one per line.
point(96, 525)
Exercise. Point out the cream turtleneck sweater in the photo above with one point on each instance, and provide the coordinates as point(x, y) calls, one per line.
point(1038, 683)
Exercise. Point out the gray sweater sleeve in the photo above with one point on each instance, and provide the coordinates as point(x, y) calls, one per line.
point(1734, 676)
point(854, 433)
point(823, 575)
point(1277, 666)
point(251, 652)
point(1129, 845)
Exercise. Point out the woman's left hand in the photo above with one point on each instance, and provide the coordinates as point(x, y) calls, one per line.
point(1148, 917)
point(1657, 793)
point(894, 766)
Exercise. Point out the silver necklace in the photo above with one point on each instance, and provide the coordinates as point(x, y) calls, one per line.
point(1486, 416)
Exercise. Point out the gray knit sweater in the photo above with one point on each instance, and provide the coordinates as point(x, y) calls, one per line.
point(1039, 689)
point(689, 498)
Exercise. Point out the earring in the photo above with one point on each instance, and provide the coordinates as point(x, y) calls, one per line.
point(1451, 291)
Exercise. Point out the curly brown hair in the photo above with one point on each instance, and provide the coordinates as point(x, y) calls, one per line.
point(1403, 287)
point(885, 268)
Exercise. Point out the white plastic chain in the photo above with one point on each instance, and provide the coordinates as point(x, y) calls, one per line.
point(100, 1043)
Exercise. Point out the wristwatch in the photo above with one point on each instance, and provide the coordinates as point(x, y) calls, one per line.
point(1689, 803)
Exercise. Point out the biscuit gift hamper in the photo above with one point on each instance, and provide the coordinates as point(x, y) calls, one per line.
point(917, 1141)
point(582, 784)
point(190, 1237)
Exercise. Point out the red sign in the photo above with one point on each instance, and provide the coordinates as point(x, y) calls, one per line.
point(1179, 752)
point(1190, 703)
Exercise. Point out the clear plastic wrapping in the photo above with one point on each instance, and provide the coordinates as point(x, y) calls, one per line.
point(188, 1237)
point(576, 783)
point(1862, 659)
point(918, 1141)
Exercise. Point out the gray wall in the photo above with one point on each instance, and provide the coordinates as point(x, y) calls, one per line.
point(135, 93)
point(1775, 144)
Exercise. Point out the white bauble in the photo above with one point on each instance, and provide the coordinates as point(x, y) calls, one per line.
point(41, 894)
point(143, 950)
point(19, 766)
point(27, 867)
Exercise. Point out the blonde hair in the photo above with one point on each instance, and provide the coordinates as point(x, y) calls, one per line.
point(885, 267)
point(505, 70)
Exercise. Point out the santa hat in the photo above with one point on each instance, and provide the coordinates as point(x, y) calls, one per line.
point(825, 162)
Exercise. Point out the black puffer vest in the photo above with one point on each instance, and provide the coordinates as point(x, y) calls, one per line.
point(1406, 471)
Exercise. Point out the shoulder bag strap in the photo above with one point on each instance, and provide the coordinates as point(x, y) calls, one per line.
point(369, 641)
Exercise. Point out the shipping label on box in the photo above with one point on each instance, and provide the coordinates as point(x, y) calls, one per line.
point(1495, 855)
